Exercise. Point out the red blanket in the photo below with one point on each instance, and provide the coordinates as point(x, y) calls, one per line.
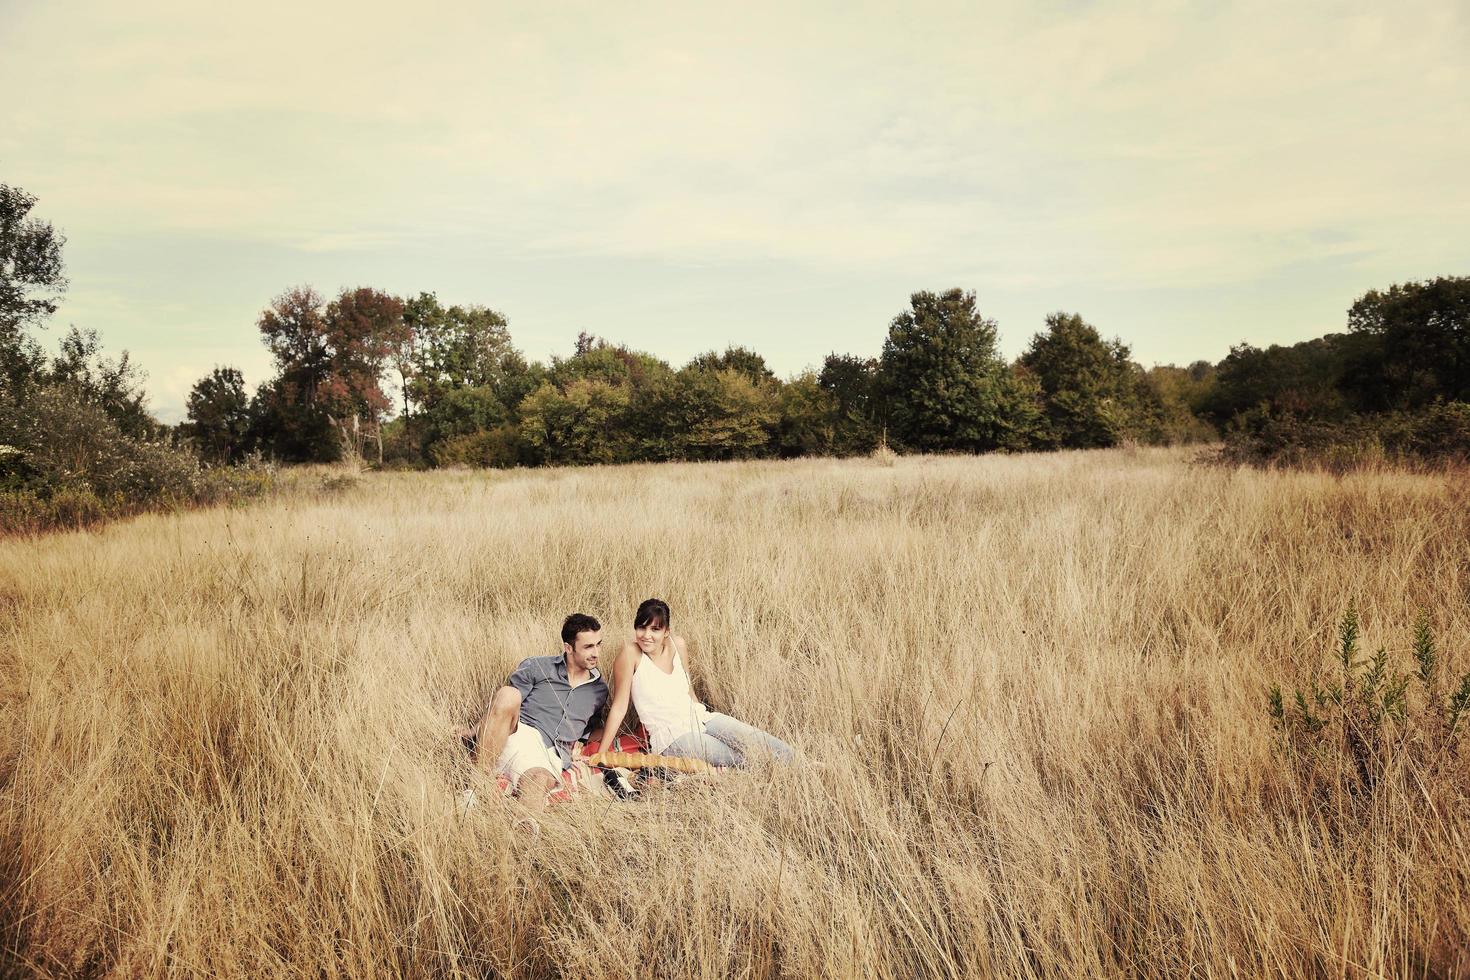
point(571, 779)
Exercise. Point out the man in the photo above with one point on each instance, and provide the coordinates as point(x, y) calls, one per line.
point(535, 725)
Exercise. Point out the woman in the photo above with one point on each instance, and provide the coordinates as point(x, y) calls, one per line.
point(650, 671)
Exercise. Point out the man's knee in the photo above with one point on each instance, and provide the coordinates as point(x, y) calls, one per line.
point(507, 701)
point(535, 783)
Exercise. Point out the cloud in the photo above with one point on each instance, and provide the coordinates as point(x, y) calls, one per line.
point(354, 241)
point(1127, 146)
point(826, 140)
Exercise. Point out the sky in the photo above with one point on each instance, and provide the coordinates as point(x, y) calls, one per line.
point(680, 177)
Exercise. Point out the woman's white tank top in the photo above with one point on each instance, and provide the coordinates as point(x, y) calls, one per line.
point(663, 703)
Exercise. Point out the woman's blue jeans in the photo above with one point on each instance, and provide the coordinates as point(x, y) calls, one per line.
point(727, 741)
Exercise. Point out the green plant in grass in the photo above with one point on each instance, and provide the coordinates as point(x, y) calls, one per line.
point(1362, 724)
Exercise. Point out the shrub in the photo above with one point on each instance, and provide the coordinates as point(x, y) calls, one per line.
point(70, 507)
point(60, 441)
point(500, 447)
point(21, 510)
point(883, 455)
point(67, 464)
point(337, 483)
point(1262, 437)
point(27, 512)
point(1364, 726)
point(403, 445)
point(1438, 435)
point(1442, 432)
point(248, 480)
point(579, 425)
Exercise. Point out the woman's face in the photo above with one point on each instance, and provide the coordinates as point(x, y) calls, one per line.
point(650, 637)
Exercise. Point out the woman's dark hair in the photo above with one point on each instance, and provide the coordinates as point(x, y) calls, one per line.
point(652, 612)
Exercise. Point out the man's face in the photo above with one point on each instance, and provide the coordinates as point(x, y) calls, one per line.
point(583, 651)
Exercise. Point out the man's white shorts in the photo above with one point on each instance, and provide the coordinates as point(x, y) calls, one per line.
point(524, 751)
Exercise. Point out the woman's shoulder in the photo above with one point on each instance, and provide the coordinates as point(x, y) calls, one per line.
point(627, 657)
point(680, 647)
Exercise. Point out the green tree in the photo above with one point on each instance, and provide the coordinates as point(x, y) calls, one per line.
point(457, 347)
point(1026, 426)
point(331, 358)
point(580, 425)
point(518, 379)
point(808, 417)
point(499, 447)
point(1094, 395)
point(738, 359)
point(721, 415)
point(22, 367)
point(598, 360)
point(80, 373)
point(65, 444)
point(1413, 345)
point(219, 416)
point(78, 440)
point(31, 280)
point(853, 383)
point(652, 422)
point(31, 276)
point(288, 427)
point(647, 383)
point(1180, 395)
point(1303, 379)
point(460, 370)
point(462, 412)
point(114, 385)
point(945, 386)
point(289, 414)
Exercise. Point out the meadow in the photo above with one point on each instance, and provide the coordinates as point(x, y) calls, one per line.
point(1031, 693)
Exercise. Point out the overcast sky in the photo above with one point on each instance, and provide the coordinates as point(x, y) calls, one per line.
point(683, 176)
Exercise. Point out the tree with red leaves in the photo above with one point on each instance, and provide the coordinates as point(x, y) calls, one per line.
point(330, 358)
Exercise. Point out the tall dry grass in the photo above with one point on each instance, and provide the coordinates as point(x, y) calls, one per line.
point(1030, 691)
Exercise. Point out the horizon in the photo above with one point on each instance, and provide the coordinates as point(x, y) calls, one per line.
point(681, 180)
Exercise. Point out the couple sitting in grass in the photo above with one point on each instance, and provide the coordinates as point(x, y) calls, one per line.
point(538, 724)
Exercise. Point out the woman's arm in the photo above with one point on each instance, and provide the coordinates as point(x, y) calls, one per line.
point(622, 691)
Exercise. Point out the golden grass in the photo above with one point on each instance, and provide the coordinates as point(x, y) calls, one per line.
point(1031, 690)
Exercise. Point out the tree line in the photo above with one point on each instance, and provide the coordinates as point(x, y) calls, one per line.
point(76, 434)
point(467, 396)
point(1394, 387)
point(938, 384)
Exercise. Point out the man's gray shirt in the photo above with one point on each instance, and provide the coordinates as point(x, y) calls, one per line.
point(561, 713)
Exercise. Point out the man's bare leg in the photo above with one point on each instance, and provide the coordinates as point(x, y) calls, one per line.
point(500, 719)
point(533, 787)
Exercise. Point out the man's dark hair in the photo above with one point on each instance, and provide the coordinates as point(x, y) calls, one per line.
point(578, 623)
point(652, 612)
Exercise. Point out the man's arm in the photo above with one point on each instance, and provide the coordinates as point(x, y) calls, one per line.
point(580, 745)
point(593, 726)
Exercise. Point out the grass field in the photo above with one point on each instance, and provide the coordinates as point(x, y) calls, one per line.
point(1031, 691)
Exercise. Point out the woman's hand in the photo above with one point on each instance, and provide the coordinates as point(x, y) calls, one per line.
point(580, 753)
